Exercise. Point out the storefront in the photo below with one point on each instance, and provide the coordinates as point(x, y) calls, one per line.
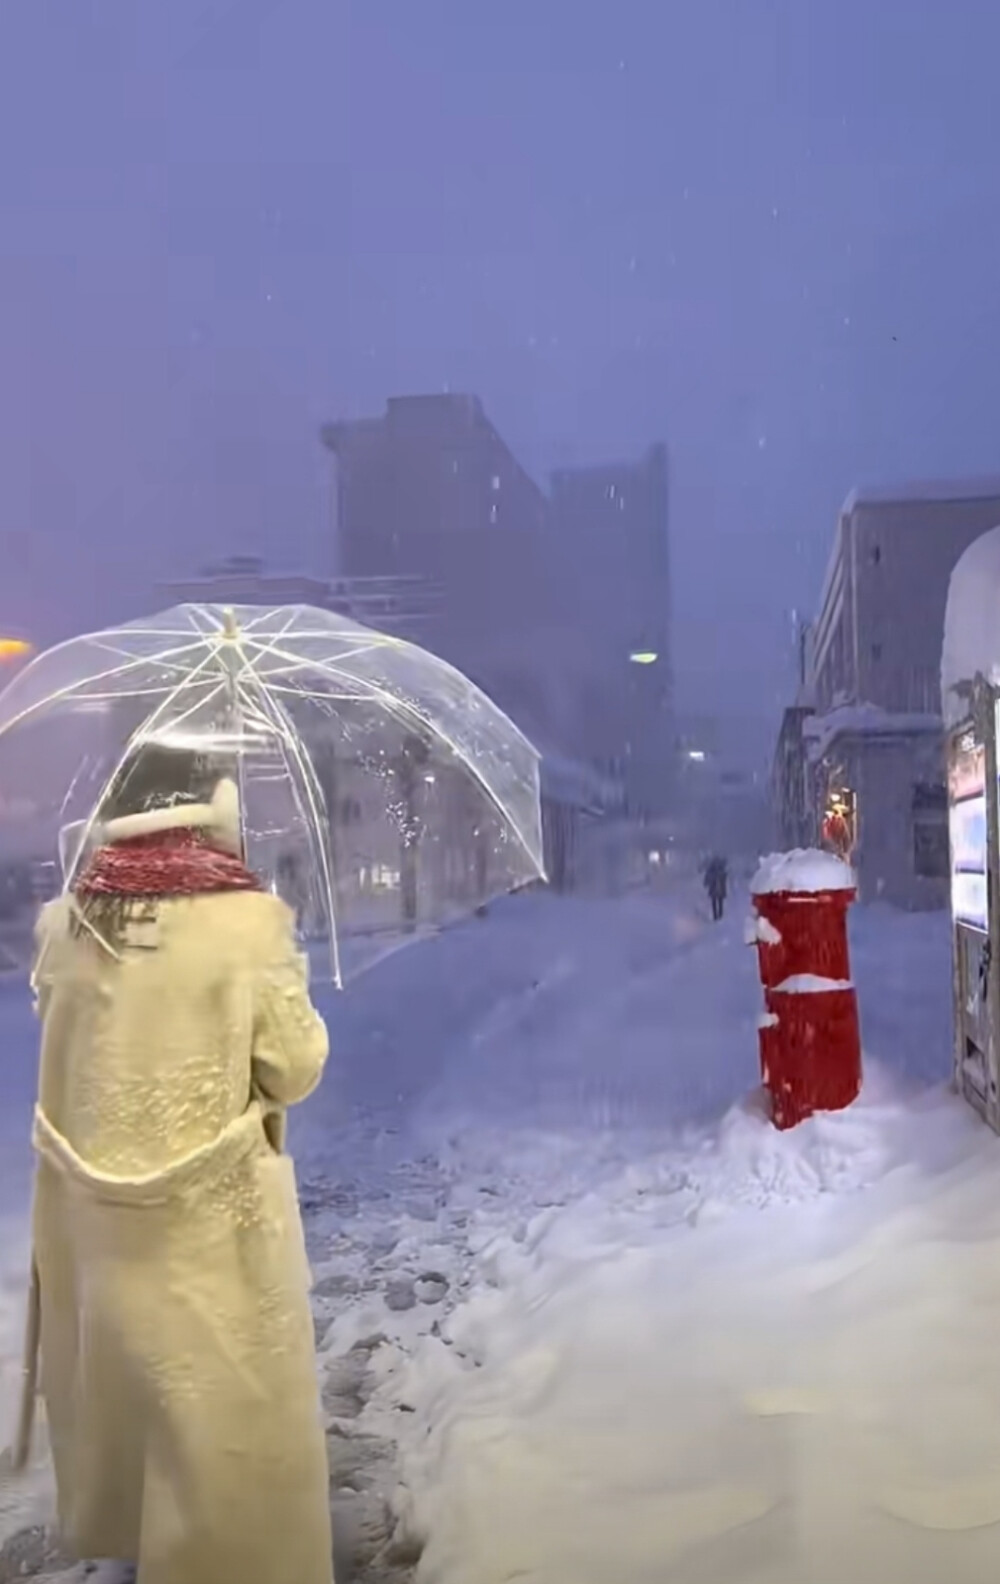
point(878, 783)
point(971, 702)
point(972, 827)
point(838, 830)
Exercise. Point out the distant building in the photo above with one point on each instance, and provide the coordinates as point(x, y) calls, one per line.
point(430, 471)
point(612, 527)
point(431, 492)
point(864, 743)
point(559, 608)
point(403, 606)
point(792, 796)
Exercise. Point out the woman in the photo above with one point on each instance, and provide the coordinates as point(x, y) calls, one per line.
point(177, 1353)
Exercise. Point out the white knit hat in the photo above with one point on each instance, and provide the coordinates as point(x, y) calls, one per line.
point(220, 819)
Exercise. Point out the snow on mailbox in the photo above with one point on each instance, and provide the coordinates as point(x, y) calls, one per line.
point(970, 696)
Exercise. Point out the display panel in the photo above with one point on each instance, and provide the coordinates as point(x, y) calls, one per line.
point(967, 830)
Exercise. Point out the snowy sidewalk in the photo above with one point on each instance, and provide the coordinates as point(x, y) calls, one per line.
point(771, 1361)
point(383, 1211)
point(736, 1358)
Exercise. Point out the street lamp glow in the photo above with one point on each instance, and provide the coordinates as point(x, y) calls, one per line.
point(14, 648)
point(644, 657)
point(696, 755)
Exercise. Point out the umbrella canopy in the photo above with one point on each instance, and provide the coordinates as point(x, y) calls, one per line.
point(382, 793)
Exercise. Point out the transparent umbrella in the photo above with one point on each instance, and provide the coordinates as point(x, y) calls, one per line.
point(382, 794)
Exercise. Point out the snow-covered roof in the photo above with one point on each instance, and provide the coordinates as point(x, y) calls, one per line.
point(971, 645)
point(986, 487)
point(577, 785)
point(808, 871)
point(863, 720)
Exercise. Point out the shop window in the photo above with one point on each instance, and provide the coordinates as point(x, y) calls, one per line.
point(930, 831)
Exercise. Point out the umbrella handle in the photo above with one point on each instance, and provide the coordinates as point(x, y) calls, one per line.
point(21, 1451)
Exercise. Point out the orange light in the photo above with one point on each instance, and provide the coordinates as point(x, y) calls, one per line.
point(14, 648)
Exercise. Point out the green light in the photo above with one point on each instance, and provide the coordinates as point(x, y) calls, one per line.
point(644, 657)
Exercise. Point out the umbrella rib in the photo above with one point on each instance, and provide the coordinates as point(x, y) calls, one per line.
point(109, 783)
point(410, 713)
point(278, 717)
point(200, 703)
point(73, 689)
point(305, 663)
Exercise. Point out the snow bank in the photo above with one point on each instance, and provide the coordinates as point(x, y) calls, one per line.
point(809, 871)
point(707, 1370)
point(664, 1368)
point(972, 623)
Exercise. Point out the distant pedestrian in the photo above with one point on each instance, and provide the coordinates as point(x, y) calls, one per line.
point(717, 885)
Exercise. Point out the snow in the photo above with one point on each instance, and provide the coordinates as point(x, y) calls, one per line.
point(937, 491)
point(703, 1366)
point(577, 785)
point(806, 872)
point(760, 931)
point(862, 719)
point(811, 984)
point(717, 1377)
point(972, 624)
point(628, 1329)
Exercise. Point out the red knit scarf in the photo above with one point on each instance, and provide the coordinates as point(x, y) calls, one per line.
point(174, 863)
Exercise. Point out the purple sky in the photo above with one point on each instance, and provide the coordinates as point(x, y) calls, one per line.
point(765, 230)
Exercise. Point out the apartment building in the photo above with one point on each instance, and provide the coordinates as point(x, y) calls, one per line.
point(868, 716)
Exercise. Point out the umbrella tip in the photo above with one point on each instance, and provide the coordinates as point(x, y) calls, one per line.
point(230, 626)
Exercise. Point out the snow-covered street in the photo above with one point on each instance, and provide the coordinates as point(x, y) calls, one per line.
point(583, 1315)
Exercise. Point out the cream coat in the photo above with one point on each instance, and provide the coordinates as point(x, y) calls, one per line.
point(177, 1356)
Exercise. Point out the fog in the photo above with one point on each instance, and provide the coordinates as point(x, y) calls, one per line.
point(764, 234)
point(587, 317)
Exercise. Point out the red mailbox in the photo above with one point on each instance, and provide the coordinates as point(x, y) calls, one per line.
point(810, 1040)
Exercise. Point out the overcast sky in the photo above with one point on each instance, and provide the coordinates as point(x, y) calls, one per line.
point(767, 231)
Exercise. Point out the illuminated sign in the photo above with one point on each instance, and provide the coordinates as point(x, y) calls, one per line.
point(14, 648)
point(967, 830)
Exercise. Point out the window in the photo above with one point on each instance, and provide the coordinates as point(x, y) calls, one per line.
point(930, 830)
point(930, 797)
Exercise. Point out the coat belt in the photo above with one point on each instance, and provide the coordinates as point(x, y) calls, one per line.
point(247, 1135)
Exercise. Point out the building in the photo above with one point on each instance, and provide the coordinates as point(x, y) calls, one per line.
point(612, 528)
point(430, 492)
point(860, 756)
point(430, 472)
point(557, 606)
point(402, 606)
point(791, 781)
